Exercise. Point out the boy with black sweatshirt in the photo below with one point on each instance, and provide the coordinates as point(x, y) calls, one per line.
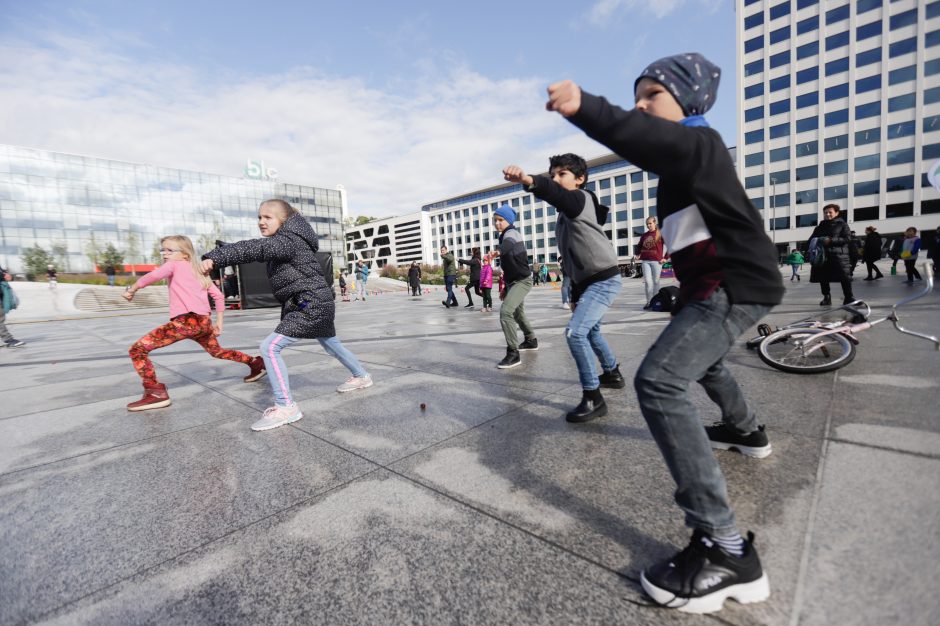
point(589, 258)
point(727, 269)
point(514, 261)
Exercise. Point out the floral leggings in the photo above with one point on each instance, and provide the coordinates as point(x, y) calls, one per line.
point(186, 326)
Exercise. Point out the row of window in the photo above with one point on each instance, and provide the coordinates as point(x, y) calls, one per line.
point(840, 13)
point(866, 162)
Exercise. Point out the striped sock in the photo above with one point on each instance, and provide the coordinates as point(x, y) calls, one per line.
point(733, 544)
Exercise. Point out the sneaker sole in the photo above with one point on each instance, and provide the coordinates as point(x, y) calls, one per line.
point(155, 405)
point(510, 366)
point(291, 420)
point(619, 385)
point(341, 390)
point(750, 451)
point(251, 379)
point(535, 349)
point(745, 593)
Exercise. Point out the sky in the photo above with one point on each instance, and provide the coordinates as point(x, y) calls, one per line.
point(402, 103)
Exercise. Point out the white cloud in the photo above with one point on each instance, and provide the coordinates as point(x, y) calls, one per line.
point(604, 12)
point(429, 138)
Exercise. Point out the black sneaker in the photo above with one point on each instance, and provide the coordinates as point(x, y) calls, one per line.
point(511, 359)
point(14, 343)
point(445, 303)
point(724, 437)
point(612, 379)
point(468, 306)
point(700, 578)
point(591, 407)
point(529, 345)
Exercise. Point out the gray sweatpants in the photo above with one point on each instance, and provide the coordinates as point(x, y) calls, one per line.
point(512, 312)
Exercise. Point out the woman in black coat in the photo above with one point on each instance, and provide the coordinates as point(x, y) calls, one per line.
point(871, 253)
point(474, 263)
point(835, 237)
point(414, 278)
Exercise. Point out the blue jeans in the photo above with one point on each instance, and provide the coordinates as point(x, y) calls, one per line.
point(692, 349)
point(565, 289)
point(584, 331)
point(651, 271)
point(277, 371)
point(449, 284)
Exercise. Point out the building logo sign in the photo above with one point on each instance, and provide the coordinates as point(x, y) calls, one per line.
point(257, 170)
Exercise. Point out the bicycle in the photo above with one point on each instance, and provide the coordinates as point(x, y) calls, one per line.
point(825, 343)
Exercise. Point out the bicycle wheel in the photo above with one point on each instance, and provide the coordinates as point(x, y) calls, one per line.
point(785, 350)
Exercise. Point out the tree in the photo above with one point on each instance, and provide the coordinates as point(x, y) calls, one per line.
point(132, 250)
point(155, 257)
point(60, 251)
point(110, 256)
point(362, 219)
point(35, 260)
point(93, 250)
point(207, 241)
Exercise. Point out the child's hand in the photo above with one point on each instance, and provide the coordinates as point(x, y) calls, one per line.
point(564, 97)
point(207, 266)
point(128, 294)
point(514, 174)
point(217, 329)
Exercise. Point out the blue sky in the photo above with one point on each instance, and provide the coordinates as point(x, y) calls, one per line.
point(403, 103)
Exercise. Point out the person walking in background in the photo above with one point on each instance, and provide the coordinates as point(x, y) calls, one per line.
point(450, 276)
point(7, 304)
point(288, 245)
point(651, 258)
point(110, 272)
point(543, 274)
point(933, 252)
point(517, 278)
point(795, 260)
point(414, 278)
point(855, 252)
point(707, 217)
point(362, 277)
point(189, 319)
point(871, 253)
point(833, 235)
point(474, 283)
point(486, 283)
point(909, 249)
point(565, 285)
point(51, 276)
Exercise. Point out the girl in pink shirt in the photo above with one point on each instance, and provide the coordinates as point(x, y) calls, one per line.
point(189, 319)
point(486, 284)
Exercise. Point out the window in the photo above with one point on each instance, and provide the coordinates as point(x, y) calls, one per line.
point(781, 58)
point(805, 221)
point(932, 67)
point(899, 103)
point(782, 82)
point(605, 183)
point(807, 50)
point(807, 25)
point(755, 113)
point(651, 192)
point(902, 47)
point(836, 167)
point(621, 216)
point(804, 76)
point(778, 178)
point(902, 74)
point(836, 143)
point(907, 18)
point(865, 31)
point(931, 123)
point(901, 209)
point(752, 137)
point(837, 117)
point(904, 129)
point(621, 198)
point(837, 40)
point(807, 99)
point(754, 67)
point(753, 91)
point(636, 194)
point(754, 181)
point(865, 214)
point(780, 130)
point(897, 157)
point(863, 6)
point(869, 162)
point(872, 109)
point(837, 91)
point(932, 39)
point(932, 95)
point(753, 44)
point(837, 15)
point(807, 173)
point(869, 83)
point(620, 181)
point(780, 154)
point(806, 197)
point(756, 158)
point(781, 34)
point(837, 66)
point(780, 10)
point(802, 4)
point(806, 124)
point(931, 151)
point(807, 148)
point(757, 202)
point(933, 9)
point(754, 20)
point(863, 137)
point(899, 183)
point(868, 57)
point(929, 206)
point(838, 192)
point(781, 106)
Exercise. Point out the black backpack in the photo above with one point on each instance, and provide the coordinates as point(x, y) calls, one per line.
point(667, 300)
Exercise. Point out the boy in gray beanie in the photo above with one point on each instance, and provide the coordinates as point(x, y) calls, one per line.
point(725, 288)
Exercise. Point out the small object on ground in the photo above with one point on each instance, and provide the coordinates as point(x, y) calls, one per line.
point(423, 406)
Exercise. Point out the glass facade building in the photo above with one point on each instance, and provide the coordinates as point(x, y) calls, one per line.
point(64, 202)
point(839, 102)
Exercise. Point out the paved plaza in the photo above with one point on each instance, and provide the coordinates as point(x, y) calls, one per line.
point(485, 507)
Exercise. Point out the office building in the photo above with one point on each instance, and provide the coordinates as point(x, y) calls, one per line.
point(388, 241)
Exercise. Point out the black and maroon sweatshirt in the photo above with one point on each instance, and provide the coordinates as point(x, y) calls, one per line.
point(713, 233)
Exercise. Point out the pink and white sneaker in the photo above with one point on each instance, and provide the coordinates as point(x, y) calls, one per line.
point(277, 416)
point(355, 382)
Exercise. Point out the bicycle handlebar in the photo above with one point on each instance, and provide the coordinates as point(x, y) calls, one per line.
point(928, 287)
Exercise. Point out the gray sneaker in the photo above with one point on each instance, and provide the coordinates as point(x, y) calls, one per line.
point(277, 416)
point(355, 382)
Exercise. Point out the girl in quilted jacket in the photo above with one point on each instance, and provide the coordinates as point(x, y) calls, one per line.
point(288, 245)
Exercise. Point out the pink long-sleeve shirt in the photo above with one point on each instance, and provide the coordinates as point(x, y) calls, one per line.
point(186, 292)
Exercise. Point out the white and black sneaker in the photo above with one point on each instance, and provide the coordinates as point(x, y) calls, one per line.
point(700, 578)
point(512, 359)
point(529, 345)
point(724, 437)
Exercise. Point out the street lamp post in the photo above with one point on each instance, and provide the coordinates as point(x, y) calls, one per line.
point(773, 208)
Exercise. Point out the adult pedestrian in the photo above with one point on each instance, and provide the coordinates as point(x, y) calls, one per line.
point(834, 236)
point(7, 304)
point(450, 276)
point(414, 278)
point(474, 283)
point(110, 272)
point(933, 251)
point(871, 252)
point(362, 276)
point(565, 285)
point(651, 258)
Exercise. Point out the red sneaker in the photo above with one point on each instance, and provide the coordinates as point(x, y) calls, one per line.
point(154, 398)
point(257, 370)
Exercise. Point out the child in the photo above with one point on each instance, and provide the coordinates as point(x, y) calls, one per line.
point(288, 244)
point(795, 259)
point(486, 283)
point(514, 260)
point(342, 287)
point(651, 259)
point(450, 277)
point(909, 249)
point(189, 319)
point(595, 276)
point(474, 283)
point(8, 302)
point(725, 288)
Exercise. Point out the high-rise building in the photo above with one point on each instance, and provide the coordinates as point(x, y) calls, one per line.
point(839, 102)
